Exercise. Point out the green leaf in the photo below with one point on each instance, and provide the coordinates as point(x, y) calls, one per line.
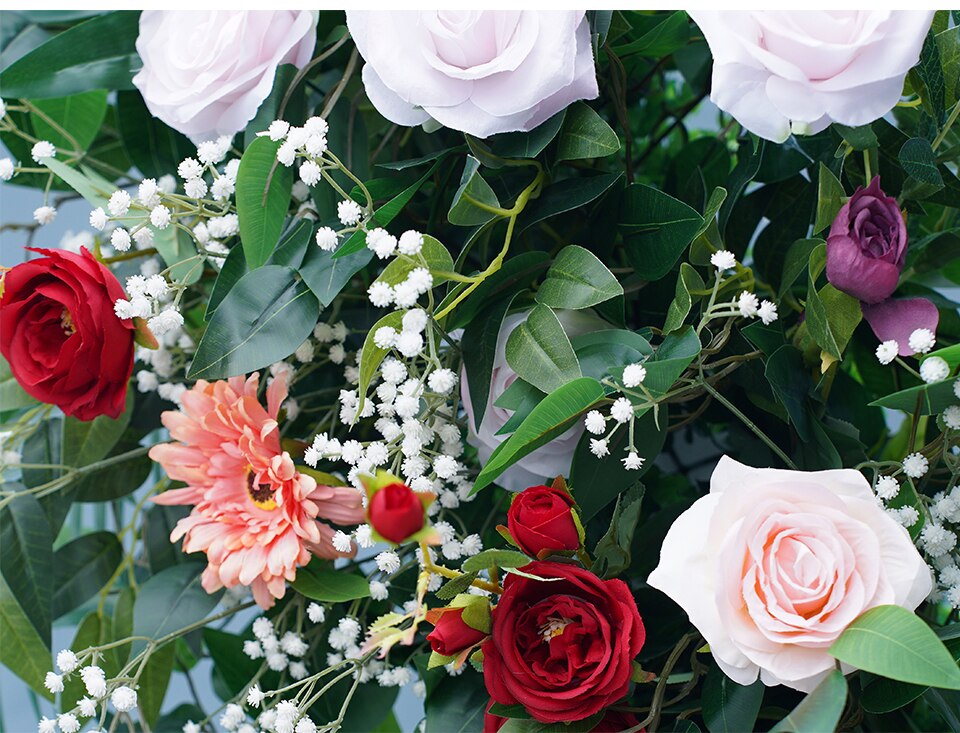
point(434, 256)
point(566, 195)
point(830, 196)
point(893, 642)
point(795, 263)
point(688, 281)
point(931, 398)
point(327, 275)
point(656, 229)
point(612, 553)
point(263, 319)
point(22, 651)
point(78, 116)
point(539, 351)
point(99, 53)
point(235, 667)
point(12, 395)
point(154, 682)
point(170, 601)
point(513, 277)
point(920, 162)
point(820, 710)
point(832, 315)
point(322, 583)
point(495, 558)
point(82, 567)
point(26, 562)
point(670, 35)
point(154, 148)
point(175, 246)
point(600, 353)
point(516, 144)
point(473, 190)
point(859, 138)
point(269, 108)
point(729, 707)
point(551, 417)
point(119, 479)
point(371, 355)
point(585, 135)
point(263, 195)
point(479, 347)
point(86, 442)
point(452, 588)
point(671, 358)
point(577, 279)
point(95, 194)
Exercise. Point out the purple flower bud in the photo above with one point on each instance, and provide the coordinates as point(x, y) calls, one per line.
point(867, 245)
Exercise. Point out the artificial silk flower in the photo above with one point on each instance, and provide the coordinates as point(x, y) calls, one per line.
point(783, 71)
point(254, 514)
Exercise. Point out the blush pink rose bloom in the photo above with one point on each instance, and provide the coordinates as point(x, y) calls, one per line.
point(481, 72)
point(797, 71)
point(548, 461)
point(206, 72)
point(771, 566)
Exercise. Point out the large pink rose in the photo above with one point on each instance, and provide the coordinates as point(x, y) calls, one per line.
point(771, 566)
point(777, 70)
point(479, 71)
point(205, 72)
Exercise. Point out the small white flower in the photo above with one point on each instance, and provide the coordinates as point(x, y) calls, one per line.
point(415, 320)
point(595, 422)
point(148, 192)
point(337, 354)
point(420, 279)
point(165, 322)
point(339, 331)
point(599, 447)
point(446, 467)
point(253, 649)
point(167, 184)
point(7, 169)
point(316, 126)
point(934, 369)
point(951, 417)
point(723, 260)
point(379, 590)
point(621, 410)
point(98, 219)
point(68, 723)
point(381, 242)
point(388, 562)
point(316, 145)
point(255, 696)
point(471, 545)
point(342, 541)
point(42, 150)
point(749, 304)
point(305, 725)
point(160, 217)
point(67, 661)
point(633, 461)
point(887, 488)
point(44, 214)
point(297, 670)
point(189, 169)
point(119, 203)
point(316, 613)
point(287, 153)
point(633, 375)
point(409, 343)
point(906, 516)
point(349, 212)
point(47, 725)
point(915, 465)
point(191, 727)
point(94, 680)
point(887, 351)
point(411, 242)
point(210, 152)
point(195, 188)
point(327, 239)
point(310, 173)
point(937, 540)
point(393, 371)
point(263, 628)
point(277, 661)
point(767, 312)
point(922, 340)
point(124, 698)
point(405, 294)
point(232, 717)
point(88, 707)
point(442, 381)
point(53, 682)
point(380, 294)
point(293, 645)
point(278, 130)
point(385, 337)
point(304, 352)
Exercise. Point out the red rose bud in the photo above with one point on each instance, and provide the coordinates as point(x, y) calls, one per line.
point(61, 337)
point(541, 518)
point(867, 245)
point(452, 635)
point(396, 512)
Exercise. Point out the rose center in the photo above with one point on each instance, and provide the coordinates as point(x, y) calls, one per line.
point(261, 494)
point(554, 627)
point(66, 323)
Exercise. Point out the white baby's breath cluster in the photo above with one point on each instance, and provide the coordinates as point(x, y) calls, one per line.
point(622, 413)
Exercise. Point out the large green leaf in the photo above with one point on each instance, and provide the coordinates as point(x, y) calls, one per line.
point(479, 346)
point(566, 195)
point(667, 36)
point(235, 667)
point(585, 135)
point(551, 417)
point(729, 707)
point(82, 567)
point(85, 442)
point(22, 651)
point(263, 319)
point(179, 253)
point(169, 601)
point(577, 279)
point(464, 210)
point(263, 195)
point(513, 277)
point(26, 561)
point(820, 710)
point(931, 398)
point(539, 351)
point(323, 583)
point(152, 146)
point(326, 275)
point(153, 683)
point(99, 53)
point(96, 194)
point(75, 119)
point(656, 229)
point(671, 358)
point(601, 353)
point(893, 642)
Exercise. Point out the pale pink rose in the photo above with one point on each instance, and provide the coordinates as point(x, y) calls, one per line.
point(205, 72)
point(771, 566)
point(777, 70)
point(480, 71)
point(548, 461)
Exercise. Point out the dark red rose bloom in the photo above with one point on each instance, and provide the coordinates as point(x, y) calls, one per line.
point(396, 512)
point(451, 635)
point(562, 649)
point(867, 245)
point(541, 518)
point(61, 337)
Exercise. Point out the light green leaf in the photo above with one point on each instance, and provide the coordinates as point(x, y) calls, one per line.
point(153, 683)
point(95, 194)
point(263, 195)
point(175, 247)
point(830, 196)
point(668, 362)
point(327, 275)
point(473, 190)
point(577, 279)
point(688, 281)
point(169, 601)
point(893, 642)
point(328, 585)
point(495, 558)
point(932, 398)
point(26, 561)
point(22, 651)
point(585, 135)
point(820, 710)
point(86, 442)
point(371, 355)
point(539, 351)
point(832, 315)
point(76, 119)
point(434, 256)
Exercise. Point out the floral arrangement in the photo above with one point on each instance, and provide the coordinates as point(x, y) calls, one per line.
point(580, 369)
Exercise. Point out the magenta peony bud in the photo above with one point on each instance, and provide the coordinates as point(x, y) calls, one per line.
point(867, 245)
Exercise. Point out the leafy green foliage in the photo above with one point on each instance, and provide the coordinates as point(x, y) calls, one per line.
point(322, 583)
point(577, 279)
point(539, 351)
point(263, 192)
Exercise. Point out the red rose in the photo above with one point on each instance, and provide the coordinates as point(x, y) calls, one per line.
point(451, 634)
point(492, 723)
point(541, 518)
point(613, 721)
point(562, 649)
point(61, 337)
point(396, 512)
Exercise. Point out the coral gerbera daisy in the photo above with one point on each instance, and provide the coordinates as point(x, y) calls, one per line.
point(254, 515)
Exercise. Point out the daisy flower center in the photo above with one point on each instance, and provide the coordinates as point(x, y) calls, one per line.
point(260, 494)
